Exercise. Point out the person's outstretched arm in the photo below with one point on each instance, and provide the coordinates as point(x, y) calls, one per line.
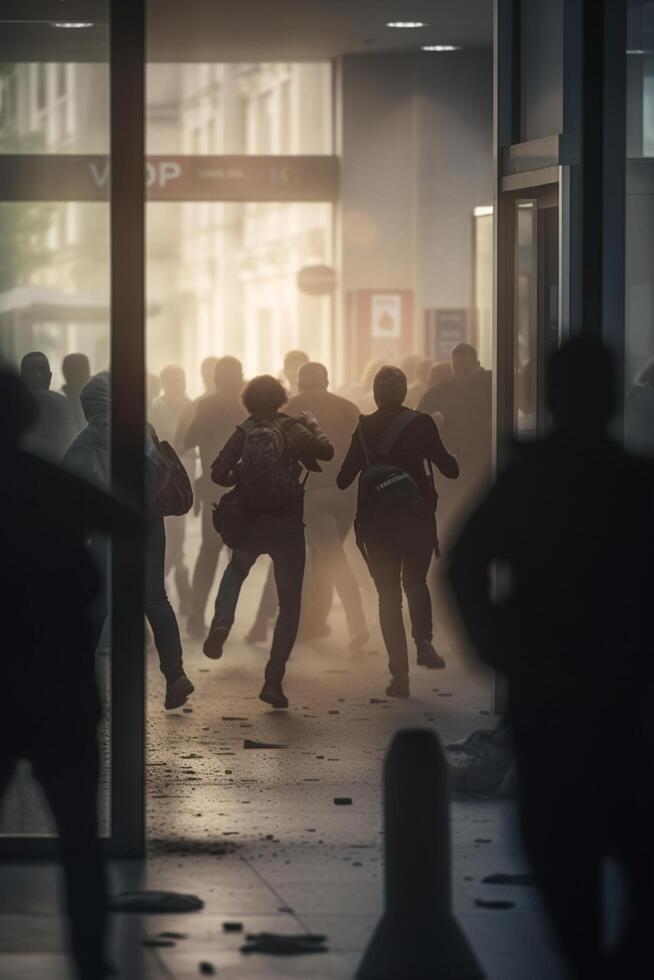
point(436, 452)
point(224, 466)
point(353, 463)
point(308, 439)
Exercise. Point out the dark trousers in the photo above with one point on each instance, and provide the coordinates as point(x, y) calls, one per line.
point(329, 515)
point(402, 561)
point(577, 809)
point(158, 610)
point(63, 752)
point(283, 539)
point(205, 565)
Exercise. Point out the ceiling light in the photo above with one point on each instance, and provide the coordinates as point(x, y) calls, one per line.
point(441, 47)
point(406, 23)
point(74, 25)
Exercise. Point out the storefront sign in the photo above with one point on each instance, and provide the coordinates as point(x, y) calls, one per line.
point(69, 177)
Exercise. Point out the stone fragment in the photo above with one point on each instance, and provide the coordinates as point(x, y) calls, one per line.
point(281, 945)
point(155, 901)
point(250, 743)
point(343, 800)
point(232, 927)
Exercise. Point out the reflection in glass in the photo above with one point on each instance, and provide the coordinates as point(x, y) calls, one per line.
point(525, 352)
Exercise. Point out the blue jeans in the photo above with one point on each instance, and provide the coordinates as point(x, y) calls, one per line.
point(283, 539)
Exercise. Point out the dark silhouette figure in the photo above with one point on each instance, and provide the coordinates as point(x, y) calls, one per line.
point(214, 419)
point(165, 414)
point(262, 460)
point(53, 428)
point(399, 548)
point(293, 361)
point(639, 411)
point(462, 407)
point(76, 370)
point(47, 583)
point(569, 528)
point(89, 456)
point(328, 514)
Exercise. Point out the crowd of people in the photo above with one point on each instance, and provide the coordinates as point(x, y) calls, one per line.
point(548, 566)
point(241, 433)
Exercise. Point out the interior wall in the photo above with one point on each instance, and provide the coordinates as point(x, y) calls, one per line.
point(415, 142)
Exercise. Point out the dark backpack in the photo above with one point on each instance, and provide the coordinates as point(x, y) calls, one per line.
point(168, 484)
point(388, 499)
point(269, 469)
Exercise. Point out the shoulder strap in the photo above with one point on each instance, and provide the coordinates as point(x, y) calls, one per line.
point(395, 430)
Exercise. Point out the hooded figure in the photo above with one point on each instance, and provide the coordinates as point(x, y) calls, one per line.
point(90, 453)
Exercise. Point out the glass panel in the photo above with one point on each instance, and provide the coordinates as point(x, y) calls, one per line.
point(541, 68)
point(639, 252)
point(525, 387)
point(54, 299)
point(222, 279)
point(483, 284)
point(279, 108)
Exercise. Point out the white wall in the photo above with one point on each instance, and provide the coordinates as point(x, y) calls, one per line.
point(415, 139)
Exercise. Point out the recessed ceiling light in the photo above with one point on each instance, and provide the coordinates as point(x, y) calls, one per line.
point(406, 23)
point(441, 47)
point(74, 25)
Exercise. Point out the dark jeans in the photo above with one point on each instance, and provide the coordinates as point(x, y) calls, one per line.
point(158, 610)
point(63, 752)
point(329, 514)
point(205, 565)
point(283, 539)
point(396, 561)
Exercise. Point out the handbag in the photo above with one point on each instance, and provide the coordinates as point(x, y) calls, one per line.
point(173, 492)
point(230, 519)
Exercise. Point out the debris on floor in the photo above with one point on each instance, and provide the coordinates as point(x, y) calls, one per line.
point(526, 880)
point(484, 903)
point(232, 927)
point(173, 935)
point(157, 943)
point(250, 743)
point(207, 969)
point(281, 945)
point(343, 800)
point(154, 901)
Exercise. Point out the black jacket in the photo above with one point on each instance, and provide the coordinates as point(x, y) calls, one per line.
point(420, 441)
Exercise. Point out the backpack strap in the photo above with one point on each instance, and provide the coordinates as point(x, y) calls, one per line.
point(395, 430)
point(364, 444)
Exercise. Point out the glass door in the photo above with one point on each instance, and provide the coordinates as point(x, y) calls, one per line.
point(535, 307)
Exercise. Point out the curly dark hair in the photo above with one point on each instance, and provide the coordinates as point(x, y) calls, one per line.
point(264, 395)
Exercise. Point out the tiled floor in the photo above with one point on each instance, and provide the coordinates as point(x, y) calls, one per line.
point(256, 835)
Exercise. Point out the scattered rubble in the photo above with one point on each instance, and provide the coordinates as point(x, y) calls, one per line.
point(154, 901)
point(250, 743)
point(525, 880)
point(281, 945)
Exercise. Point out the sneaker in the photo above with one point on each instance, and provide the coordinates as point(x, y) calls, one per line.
point(273, 694)
point(399, 687)
point(177, 692)
point(214, 643)
point(427, 656)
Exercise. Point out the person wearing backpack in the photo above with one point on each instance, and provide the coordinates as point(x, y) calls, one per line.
point(264, 515)
point(89, 456)
point(395, 523)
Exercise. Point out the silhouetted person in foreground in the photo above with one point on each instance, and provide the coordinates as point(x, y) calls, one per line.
point(76, 370)
point(50, 716)
point(262, 461)
point(328, 513)
point(89, 456)
point(214, 419)
point(569, 526)
point(53, 428)
point(396, 525)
